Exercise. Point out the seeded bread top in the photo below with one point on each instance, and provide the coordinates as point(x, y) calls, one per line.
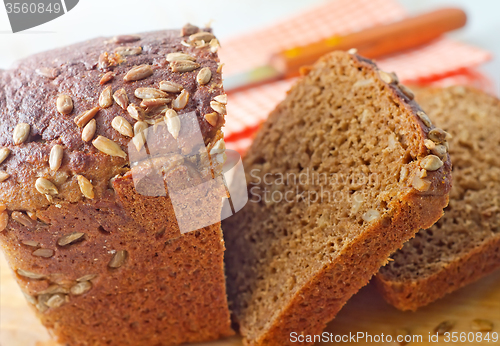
point(72, 97)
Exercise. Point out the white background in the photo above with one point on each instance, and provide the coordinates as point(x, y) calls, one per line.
point(91, 18)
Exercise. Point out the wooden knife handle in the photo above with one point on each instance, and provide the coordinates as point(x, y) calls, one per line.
point(376, 41)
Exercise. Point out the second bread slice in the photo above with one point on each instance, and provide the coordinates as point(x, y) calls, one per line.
point(339, 177)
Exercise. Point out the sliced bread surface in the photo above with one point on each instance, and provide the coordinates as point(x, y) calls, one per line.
point(336, 184)
point(464, 245)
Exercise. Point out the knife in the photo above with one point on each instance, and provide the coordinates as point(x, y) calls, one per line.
point(371, 43)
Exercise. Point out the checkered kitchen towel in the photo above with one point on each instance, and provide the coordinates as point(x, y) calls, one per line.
point(443, 61)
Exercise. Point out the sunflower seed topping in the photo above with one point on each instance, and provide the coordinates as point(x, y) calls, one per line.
point(386, 77)
point(4, 220)
point(64, 104)
point(85, 117)
point(87, 277)
point(118, 259)
point(88, 131)
point(444, 327)
point(47, 72)
point(56, 301)
point(121, 98)
point(139, 127)
point(212, 118)
point(46, 253)
point(184, 66)
point(70, 238)
point(189, 29)
point(149, 93)
point(53, 289)
point(121, 125)
point(31, 243)
point(408, 93)
point(136, 112)
point(170, 87)
point(221, 99)
point(23, 219)
point(106, 78)
point(480, 325)
point(55, 157)
point(437, 135)
point(4, 176)
point(218, 107)
point(30, 275)
point(4, 153)
point(173, 123)
point(425, 119)
point(179, 56)
point(420, 183)
point(85, 186)
point(21, 133)
point(138, 73)
point(106, 98)
point(46, 187)
point(201, 36)
point(126, 38)
point(204, 76)
point(80, 288)
point(107, 146)
point(214, 45)
point(150, 103)
point(181, 101)
point(127, 51)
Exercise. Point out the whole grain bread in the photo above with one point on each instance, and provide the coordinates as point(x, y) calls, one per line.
point(101, 262)
point(464, 244)
point(339, 177)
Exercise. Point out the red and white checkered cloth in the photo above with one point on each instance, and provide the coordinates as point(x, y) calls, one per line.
point(443, 61)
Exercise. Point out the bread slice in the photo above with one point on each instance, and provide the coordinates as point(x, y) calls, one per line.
point(464, 244)
point(335, 186)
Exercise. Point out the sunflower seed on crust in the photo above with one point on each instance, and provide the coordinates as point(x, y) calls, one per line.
point(55, 157)
point(88, 131)
point(21, 133)
point(425, 118)
point(31, 243)
point(70, 238)
point(139, 127)
point(170, 87)
point(109, 147)
point(420, 183)
point(221, 99)
point(151, 103)
point(189, 29)
point(30, 275)
point(149, 93)
point(127, 51)
point(202, 36)
point(218, 107)
point(214, 45)
point(431, 163)
point(23, 219)
point(444, 327)
point(80, 288)
point(408, 93)
point(87, 277)
point(179, 56)
point(136, 112)
point(4, 220)
point(118, 259)
point(138, 73)
point(204, 76)
point(4, 176)
point(106, 97)
point(4, 153)
point(85, 117)
point(126, 38)
point(45, 187)
point(386, 77)
point(181, 100)
point(32, 215)
point(121, 125)
point(53, 289)
point(184, 66)
point(56, 301)
point(64, 104)
point(86, 186)
point(212, 118)
point(437, 135)
point(121, 98)
point(106, 77)
point(173, 123)
point(46, 253)
point(47, 72)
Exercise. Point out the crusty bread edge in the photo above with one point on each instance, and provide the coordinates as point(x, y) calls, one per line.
point(418, 210)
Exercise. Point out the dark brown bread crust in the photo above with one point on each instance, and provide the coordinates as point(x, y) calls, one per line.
point(170, 288)
point(319, 300)
point(481, 257)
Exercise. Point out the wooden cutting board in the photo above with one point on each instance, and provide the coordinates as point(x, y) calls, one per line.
point(366, 312)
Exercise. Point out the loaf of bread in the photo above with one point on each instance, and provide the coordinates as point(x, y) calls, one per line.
point(339, 177)
point(90, 232)
point(464, 244)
